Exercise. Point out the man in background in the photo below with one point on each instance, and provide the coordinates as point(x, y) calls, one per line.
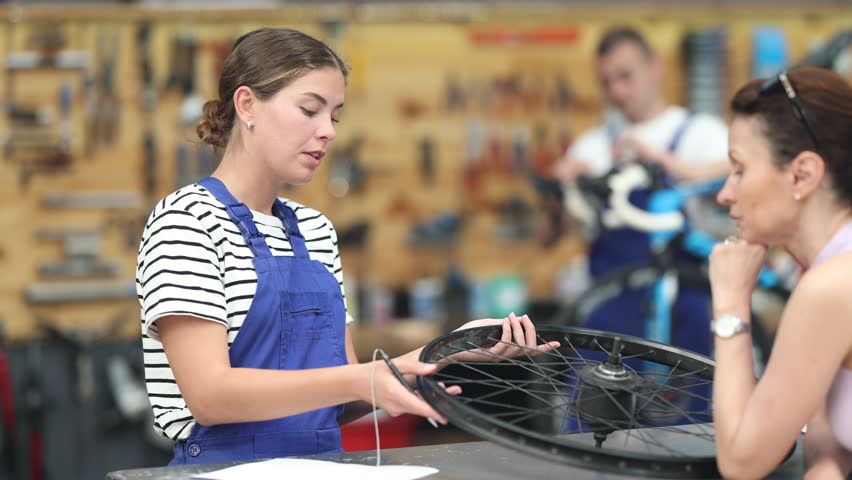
point(641, 126)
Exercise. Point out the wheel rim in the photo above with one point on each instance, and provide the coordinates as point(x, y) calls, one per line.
point(609, 388)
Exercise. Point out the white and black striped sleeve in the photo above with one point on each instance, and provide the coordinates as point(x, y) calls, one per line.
point(337, 268)
point(178, 271)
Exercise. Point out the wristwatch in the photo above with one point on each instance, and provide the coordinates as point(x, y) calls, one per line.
point(726, 326)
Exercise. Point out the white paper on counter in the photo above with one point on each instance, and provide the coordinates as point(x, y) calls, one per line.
point(301, 468)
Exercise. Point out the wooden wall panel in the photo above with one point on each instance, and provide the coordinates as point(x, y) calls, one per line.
point(397, 57)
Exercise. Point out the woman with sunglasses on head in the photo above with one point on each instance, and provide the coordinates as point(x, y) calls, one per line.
point(248, 352)
point(790, 149)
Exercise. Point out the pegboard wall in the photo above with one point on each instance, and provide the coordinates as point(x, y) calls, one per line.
point(448, 112)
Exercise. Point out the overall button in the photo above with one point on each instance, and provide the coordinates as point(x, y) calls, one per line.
point(194, 450)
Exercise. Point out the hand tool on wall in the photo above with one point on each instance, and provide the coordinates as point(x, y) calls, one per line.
point(79, 291)
point(116, 199)
point(353, 235)
point(90, 110)
point(78, 268)
point(148, 102)
point(149, 97)
point(109, 103)
point(441, 230)
point(496, 155)
point(515, 220)
point(149, 164)
point(564, 96)
point(474, 153)
point(76, 243)
point(552, 208)
point(81, 249)
point(349, 172)
point(455, 97)
point(520, 151)
point(192, 163)
point(427, 160)
point(192, 105)
point(130, 225)
point(66, 98)
point(47, 56)
point(346, 175)
point(543, 155)
point(49, 161)
point(33, 138)
point(8, 75)
point(177, 64)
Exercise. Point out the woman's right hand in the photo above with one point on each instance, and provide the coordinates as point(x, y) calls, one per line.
point(518, 339)
point(393, 397)
point(733, 268)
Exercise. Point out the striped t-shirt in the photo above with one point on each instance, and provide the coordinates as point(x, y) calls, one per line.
point(193, 261)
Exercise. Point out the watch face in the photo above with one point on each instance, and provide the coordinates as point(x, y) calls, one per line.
point(726, 325)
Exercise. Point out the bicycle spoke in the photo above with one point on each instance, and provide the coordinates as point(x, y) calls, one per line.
point(665, 375)
point(571, 344)
point(505, 361)
point(508, 384)
point(685, 415)
point(658, 405)
point(638, 355)
point(661, 384)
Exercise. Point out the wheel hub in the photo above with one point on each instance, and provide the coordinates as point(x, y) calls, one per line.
point(607, 400)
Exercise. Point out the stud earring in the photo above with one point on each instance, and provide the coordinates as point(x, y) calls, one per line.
point(248, 124)
point(797, 196)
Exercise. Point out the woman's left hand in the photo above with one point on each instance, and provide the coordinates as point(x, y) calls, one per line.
point(734, 267)
point(518, 339)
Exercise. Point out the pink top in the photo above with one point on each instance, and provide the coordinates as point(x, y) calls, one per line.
point(839, 407)
point(839, 401)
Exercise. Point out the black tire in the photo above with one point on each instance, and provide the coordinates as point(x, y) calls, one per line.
point(681, 444)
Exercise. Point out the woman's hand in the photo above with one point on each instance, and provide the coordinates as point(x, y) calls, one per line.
point(517, 340)
point(393, 397)
point(734, 267)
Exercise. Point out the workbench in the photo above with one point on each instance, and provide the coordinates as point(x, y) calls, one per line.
point(458, 461)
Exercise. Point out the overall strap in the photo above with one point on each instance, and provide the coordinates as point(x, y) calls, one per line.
point(678, 136)
point(291, 226)
point(240, 215)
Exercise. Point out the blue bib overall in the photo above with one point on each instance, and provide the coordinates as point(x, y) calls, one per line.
point(622, 247)
point(296, 321)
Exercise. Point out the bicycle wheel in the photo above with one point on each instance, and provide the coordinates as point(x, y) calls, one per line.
point(620, 418)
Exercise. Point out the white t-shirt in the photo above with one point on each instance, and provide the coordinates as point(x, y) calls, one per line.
point(193, 261)
point(704, 141)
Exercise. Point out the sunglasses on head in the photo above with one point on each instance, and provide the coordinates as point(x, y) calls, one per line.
point(798, 110)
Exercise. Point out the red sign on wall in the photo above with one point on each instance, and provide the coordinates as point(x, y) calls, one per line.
point(509, 36)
